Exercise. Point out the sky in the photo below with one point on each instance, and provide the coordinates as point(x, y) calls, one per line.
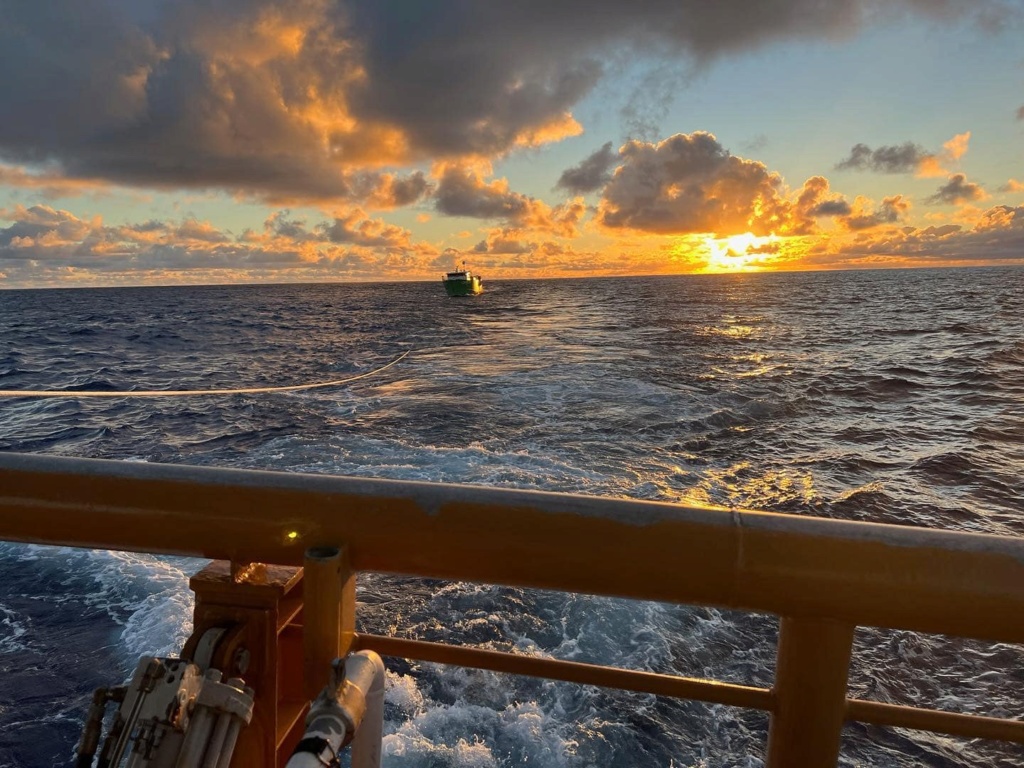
point(152, 142)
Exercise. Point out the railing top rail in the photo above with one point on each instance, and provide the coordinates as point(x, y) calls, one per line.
point(863, 573)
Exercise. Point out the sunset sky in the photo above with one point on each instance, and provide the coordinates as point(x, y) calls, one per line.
point(213, 141)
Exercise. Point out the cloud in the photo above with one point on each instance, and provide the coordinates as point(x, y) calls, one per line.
point(193, 231)
point(40, 225)
point(356, 228)
point(906, 158)
point(956, 191)
point(891, 211)
point(1020, 113)
point(900, 158)
point(44, 244)
point(956, 147)
point(1012, 185)
point(279, 225)
point(996, 237)
point(503, 241)
point(690, 183)
point(462, 191)
point(835, 207)
point(49, 183)
point(815, 201)
point(591, 174)
point(287, 100)
point(351, 228)
point(952, 150)
point(759, 142)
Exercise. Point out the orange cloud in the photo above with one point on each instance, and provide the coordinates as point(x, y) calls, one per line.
point(814, 201)
point(690, 183)
point(503, 241)
point(462, 191)
point(51, 184)
point(560, 127)
point(906, 157)
point(930, 167)
point(864, 216)
point(358, 229)
point(956, 147)
point(43, 242)
point(957, 190)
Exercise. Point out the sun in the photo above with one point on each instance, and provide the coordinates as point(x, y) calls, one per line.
point(737, 253)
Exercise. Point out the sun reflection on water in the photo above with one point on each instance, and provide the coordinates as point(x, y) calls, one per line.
point(741, 486)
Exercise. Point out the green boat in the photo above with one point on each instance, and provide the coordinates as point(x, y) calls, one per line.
point(462, 282)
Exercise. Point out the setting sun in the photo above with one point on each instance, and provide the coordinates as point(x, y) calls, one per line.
point(738, 253)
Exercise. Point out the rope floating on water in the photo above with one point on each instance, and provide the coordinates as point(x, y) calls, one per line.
point(193, 392)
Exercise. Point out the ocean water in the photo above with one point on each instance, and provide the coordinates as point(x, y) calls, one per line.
point(892, 396)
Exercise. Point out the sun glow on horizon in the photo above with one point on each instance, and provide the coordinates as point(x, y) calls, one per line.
point(738, 253)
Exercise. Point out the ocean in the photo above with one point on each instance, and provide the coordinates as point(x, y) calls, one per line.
point(890, 396)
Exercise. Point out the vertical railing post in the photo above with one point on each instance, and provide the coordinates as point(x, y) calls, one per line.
point(254, 607)
point(328, 613)
point(366, 746)
point(810, 693)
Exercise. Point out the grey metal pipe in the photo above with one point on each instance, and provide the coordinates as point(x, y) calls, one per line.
point(353, 699)
point(366, 746)
point(230, 738)
point(215, 747)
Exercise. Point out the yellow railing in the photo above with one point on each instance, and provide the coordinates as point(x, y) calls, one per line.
point(823, 578)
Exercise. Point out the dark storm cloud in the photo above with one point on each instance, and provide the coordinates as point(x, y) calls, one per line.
point(288, 99)
point(899, 158)
point(957, 190)
point(591, 174)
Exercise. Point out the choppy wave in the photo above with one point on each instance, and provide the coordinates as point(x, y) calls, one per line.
point(887, 396)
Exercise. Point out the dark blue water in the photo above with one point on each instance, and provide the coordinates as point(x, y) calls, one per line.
point(895, 396)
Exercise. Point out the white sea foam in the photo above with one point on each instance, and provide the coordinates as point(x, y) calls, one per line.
point(154, 593)
point(147, 595)
point(477, 737)
point(13, 629)
point(403, 692)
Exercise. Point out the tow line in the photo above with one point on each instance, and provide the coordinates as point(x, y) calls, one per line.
point(193, 392)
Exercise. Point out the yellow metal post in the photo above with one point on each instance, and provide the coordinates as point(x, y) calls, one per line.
point(257, 607)
point(328, 613)
point(810, 693)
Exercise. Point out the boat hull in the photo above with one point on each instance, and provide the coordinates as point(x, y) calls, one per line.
point(470, 287)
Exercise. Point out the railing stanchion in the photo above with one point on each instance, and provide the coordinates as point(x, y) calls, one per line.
point(810, 693)
point(328, 613)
